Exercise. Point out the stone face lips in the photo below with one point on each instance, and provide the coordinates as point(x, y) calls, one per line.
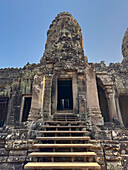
point(64, 39)
point(125, 45)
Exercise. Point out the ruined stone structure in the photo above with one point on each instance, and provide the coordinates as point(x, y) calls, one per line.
point(64, 84)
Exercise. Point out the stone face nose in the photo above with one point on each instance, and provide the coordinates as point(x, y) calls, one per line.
point(63, 35)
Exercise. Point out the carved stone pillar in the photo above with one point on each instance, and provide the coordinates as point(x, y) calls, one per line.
point(75, 93)
point(94, 112)
point(82, 96)
point(37, 98)
point(110, 94)
point(118, 110)
point(47, 100)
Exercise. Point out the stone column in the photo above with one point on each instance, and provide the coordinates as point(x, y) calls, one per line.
point(110, 94)
point(54, 95)
point(94, 112)
point(37, 100)
point(82, 96)
point(75, 93)
point(47, 100)
point(118, 110)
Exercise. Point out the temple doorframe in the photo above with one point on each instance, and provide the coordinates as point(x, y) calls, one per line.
point(66, 76)
point(22, 105)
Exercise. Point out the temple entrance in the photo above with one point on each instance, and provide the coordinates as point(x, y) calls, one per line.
point(26, 105)
point(103, 103)
point(3, 110)
point(123, 102)
point(65, 96)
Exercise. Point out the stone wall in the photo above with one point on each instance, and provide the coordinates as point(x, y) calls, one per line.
point(117, 76)
point(16, 143)
point(14, 83)
point(112, 141)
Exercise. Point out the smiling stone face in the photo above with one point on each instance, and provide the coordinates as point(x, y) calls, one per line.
point(65, 35)
point(64, 38)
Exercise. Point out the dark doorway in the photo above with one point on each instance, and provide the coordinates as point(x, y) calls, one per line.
point(123, 102)
point(3, 110)
point(103, 103)
point(26, 109)
point(65, 98)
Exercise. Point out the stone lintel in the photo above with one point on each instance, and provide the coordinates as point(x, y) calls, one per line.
point(101, 73)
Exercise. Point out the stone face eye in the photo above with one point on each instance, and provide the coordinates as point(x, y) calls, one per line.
point(77, 37)
point(67, 33)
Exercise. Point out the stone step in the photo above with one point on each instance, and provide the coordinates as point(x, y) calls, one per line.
point(124, 155)
point(3, 134)
point(70, 122)
point(62, 165)
point(63, 145)
point(66, 126)
point(62, 154)
point(65, 120)
point(66, 116)
point(64, 138)
point(69, 132)
point(65, 113)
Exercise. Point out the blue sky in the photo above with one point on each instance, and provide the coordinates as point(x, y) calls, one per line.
point(24, 25)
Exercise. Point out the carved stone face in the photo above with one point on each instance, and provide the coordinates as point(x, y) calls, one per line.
point(64, 38)
point(65, 35)
point(64, 29)
point(63, 41)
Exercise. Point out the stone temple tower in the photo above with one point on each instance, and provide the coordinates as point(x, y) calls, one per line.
point(70, 82)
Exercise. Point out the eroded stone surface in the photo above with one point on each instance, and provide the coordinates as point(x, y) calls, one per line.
point(125, 45)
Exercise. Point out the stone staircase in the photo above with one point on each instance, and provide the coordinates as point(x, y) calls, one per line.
point(63, 144)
